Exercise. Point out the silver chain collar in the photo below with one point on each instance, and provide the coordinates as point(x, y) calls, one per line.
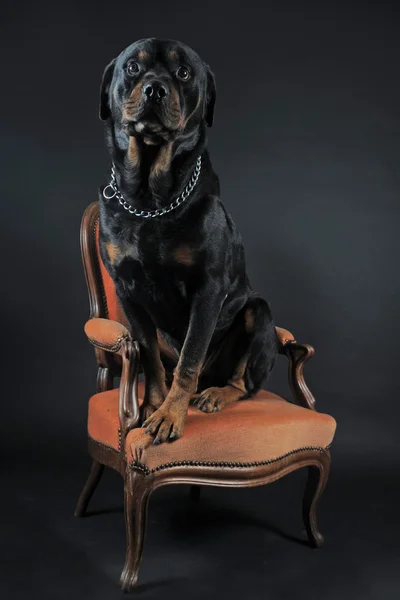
point(146, 214)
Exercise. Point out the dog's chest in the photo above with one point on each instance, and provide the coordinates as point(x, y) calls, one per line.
point(156, 267)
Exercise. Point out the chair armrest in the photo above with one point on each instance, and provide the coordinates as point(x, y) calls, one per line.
point(284, 336)
point(297, 355)
point(106, 334)
point(114, 337)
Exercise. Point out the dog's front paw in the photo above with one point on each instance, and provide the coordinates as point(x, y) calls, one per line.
point(166, 423)
point(215, 398)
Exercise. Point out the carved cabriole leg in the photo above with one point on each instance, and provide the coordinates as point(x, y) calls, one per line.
point(104, 382)
point(136, 500)
point(317, 479)
point(94, 477)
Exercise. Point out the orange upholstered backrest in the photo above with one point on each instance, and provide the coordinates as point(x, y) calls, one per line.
point(102, 294)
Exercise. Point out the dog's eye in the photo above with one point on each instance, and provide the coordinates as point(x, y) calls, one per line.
point(132, 68)
point(183, 73)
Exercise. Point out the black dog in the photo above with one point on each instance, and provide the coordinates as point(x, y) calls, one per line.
point(169, 244)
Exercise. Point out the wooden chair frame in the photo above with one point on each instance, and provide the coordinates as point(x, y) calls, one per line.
point(140, 482)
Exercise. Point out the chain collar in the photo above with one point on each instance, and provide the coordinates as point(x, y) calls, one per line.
point(146, 214)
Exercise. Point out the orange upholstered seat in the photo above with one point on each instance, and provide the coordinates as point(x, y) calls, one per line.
point(256, 430)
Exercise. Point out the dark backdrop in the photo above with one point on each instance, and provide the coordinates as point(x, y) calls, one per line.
point(306, 144)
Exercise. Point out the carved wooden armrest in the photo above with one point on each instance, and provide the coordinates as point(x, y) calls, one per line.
point(114, 337)
point(297, 355)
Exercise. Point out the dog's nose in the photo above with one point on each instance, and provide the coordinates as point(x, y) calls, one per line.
point(155, 90)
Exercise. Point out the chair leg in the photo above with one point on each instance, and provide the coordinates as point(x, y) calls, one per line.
point(316, 482)
point(95, 474)
point(136, 502)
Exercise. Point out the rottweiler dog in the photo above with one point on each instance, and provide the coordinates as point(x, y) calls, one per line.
point(169, 243)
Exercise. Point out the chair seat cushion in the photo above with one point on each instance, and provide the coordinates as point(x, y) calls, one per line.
point(259, 429)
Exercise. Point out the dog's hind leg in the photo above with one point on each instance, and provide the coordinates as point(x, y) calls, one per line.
point(248, 357)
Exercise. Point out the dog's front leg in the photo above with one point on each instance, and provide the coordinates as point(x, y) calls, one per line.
point(168, 422)
point(144, 330)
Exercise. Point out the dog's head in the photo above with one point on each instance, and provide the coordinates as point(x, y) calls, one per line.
point(157, 90)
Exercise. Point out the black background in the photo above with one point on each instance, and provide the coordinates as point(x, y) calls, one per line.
point(306, 144)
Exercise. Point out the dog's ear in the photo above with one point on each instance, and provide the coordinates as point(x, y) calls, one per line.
point(104, 111)
point(211, 96)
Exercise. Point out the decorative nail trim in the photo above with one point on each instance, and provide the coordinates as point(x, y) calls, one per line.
point(106, 446)
point(137, 466)
point(119, 439)
point(113, 348)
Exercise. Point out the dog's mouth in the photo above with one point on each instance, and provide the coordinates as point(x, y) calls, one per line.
point(155, 125)
point(150, 128)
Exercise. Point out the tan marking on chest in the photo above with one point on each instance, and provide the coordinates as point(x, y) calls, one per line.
point(113, 252)
point(124, 250)
point(184, 255)
point(249, 320)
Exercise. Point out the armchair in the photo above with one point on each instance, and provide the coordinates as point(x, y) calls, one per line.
point(275, 436)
